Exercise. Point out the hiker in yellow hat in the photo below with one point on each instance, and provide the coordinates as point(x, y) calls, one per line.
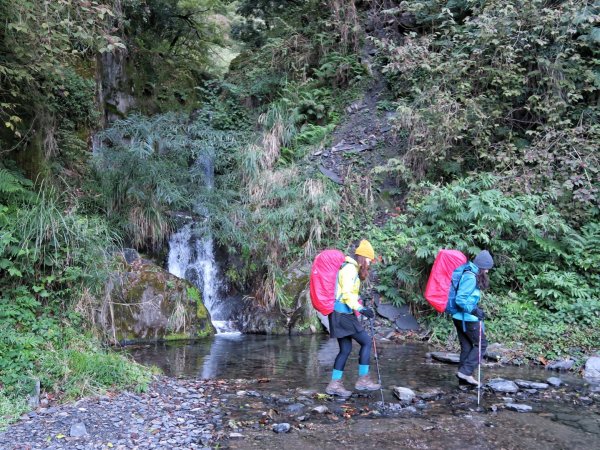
point(344, 324)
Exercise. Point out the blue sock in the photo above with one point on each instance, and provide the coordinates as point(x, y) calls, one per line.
point(337, 374)
point(363, 370)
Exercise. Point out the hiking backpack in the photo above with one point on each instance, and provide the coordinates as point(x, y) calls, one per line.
point(444, 280)
point(323, 279)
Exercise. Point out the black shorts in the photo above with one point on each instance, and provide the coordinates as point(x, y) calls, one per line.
point(342, 325)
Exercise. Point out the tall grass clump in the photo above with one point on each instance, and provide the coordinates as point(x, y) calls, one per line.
point(52, 257)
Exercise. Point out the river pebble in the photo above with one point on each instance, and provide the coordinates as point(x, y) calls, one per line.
point(531, 384)
point(501, 385)
point(554, 381)
point(281, 427)
point(519, 407)
point(172, 414)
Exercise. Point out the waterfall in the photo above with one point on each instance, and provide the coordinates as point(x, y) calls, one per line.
point(191, 256)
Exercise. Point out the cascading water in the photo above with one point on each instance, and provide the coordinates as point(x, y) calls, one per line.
point(191, 256)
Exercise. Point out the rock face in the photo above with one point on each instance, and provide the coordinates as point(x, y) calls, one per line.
point(146, 303)
point(296, 314)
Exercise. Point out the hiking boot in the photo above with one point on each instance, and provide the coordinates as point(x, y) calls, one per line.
point(468, 378)
point(335, 387)
point(365, 383)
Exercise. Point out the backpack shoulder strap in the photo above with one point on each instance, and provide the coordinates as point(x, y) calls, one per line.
point(465, 270)
point(337, 280)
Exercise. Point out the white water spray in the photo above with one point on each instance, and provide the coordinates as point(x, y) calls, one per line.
point(191, 256)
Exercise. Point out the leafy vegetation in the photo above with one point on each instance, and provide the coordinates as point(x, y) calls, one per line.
point(148, 168)
point(497, 101)
point(53, 261)
point(545, 277)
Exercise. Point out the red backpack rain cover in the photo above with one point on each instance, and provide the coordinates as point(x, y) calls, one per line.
point(438, 285)
point(323, 277)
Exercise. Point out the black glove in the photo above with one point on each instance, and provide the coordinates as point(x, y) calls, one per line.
point(478, 312)
point(367, 312)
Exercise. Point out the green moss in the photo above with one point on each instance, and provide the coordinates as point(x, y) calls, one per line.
point(206, 331)
point(194, 294)
point(176, 336)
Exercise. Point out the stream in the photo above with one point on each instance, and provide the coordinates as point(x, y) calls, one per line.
point(284, 370)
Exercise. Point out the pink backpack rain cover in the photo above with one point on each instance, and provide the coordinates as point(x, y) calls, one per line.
point(438, 285)
point(323, 278)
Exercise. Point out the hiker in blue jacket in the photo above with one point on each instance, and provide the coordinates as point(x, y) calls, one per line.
point(469, 321)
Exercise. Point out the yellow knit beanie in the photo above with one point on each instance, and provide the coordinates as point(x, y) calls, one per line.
point(365, 249)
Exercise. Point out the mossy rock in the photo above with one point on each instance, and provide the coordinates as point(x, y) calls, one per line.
point(150, 304)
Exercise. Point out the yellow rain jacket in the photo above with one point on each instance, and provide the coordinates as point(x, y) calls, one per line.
point(348, 286)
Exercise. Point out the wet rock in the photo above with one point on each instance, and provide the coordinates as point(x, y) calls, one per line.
point(502, 385)
point(592, 369)
point(284, 401)
point(452, 358)
point(78, 430)
point(306, 392)
point(391, 407)
point(531, 384)
point(331, 175)
point(406, 321)
point(491, 356)
point(405, 395)
point(554, 381)
point(431, 394)
point(519, 407)
point(321, 409)
point(563, 364)
point(281, 427)
point(295, 408)
point(388, 311)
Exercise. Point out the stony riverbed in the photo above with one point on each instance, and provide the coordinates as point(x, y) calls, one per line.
point(267, 392)
point(247, 413)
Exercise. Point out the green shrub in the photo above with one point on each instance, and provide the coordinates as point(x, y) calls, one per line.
point(53, 260)
point(520, 231)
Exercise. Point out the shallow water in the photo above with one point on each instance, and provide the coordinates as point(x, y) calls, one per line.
point(306, 362)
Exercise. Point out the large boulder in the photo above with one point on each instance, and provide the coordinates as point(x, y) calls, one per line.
point(146, 303)
point(294, 313)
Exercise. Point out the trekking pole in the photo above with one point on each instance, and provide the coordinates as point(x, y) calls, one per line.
point(376, 355)
point(377, 362)
point(479, 375)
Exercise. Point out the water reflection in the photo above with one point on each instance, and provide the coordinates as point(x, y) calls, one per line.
point(306, 361)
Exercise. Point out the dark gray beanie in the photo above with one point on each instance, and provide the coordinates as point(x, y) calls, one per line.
point(484, 260)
